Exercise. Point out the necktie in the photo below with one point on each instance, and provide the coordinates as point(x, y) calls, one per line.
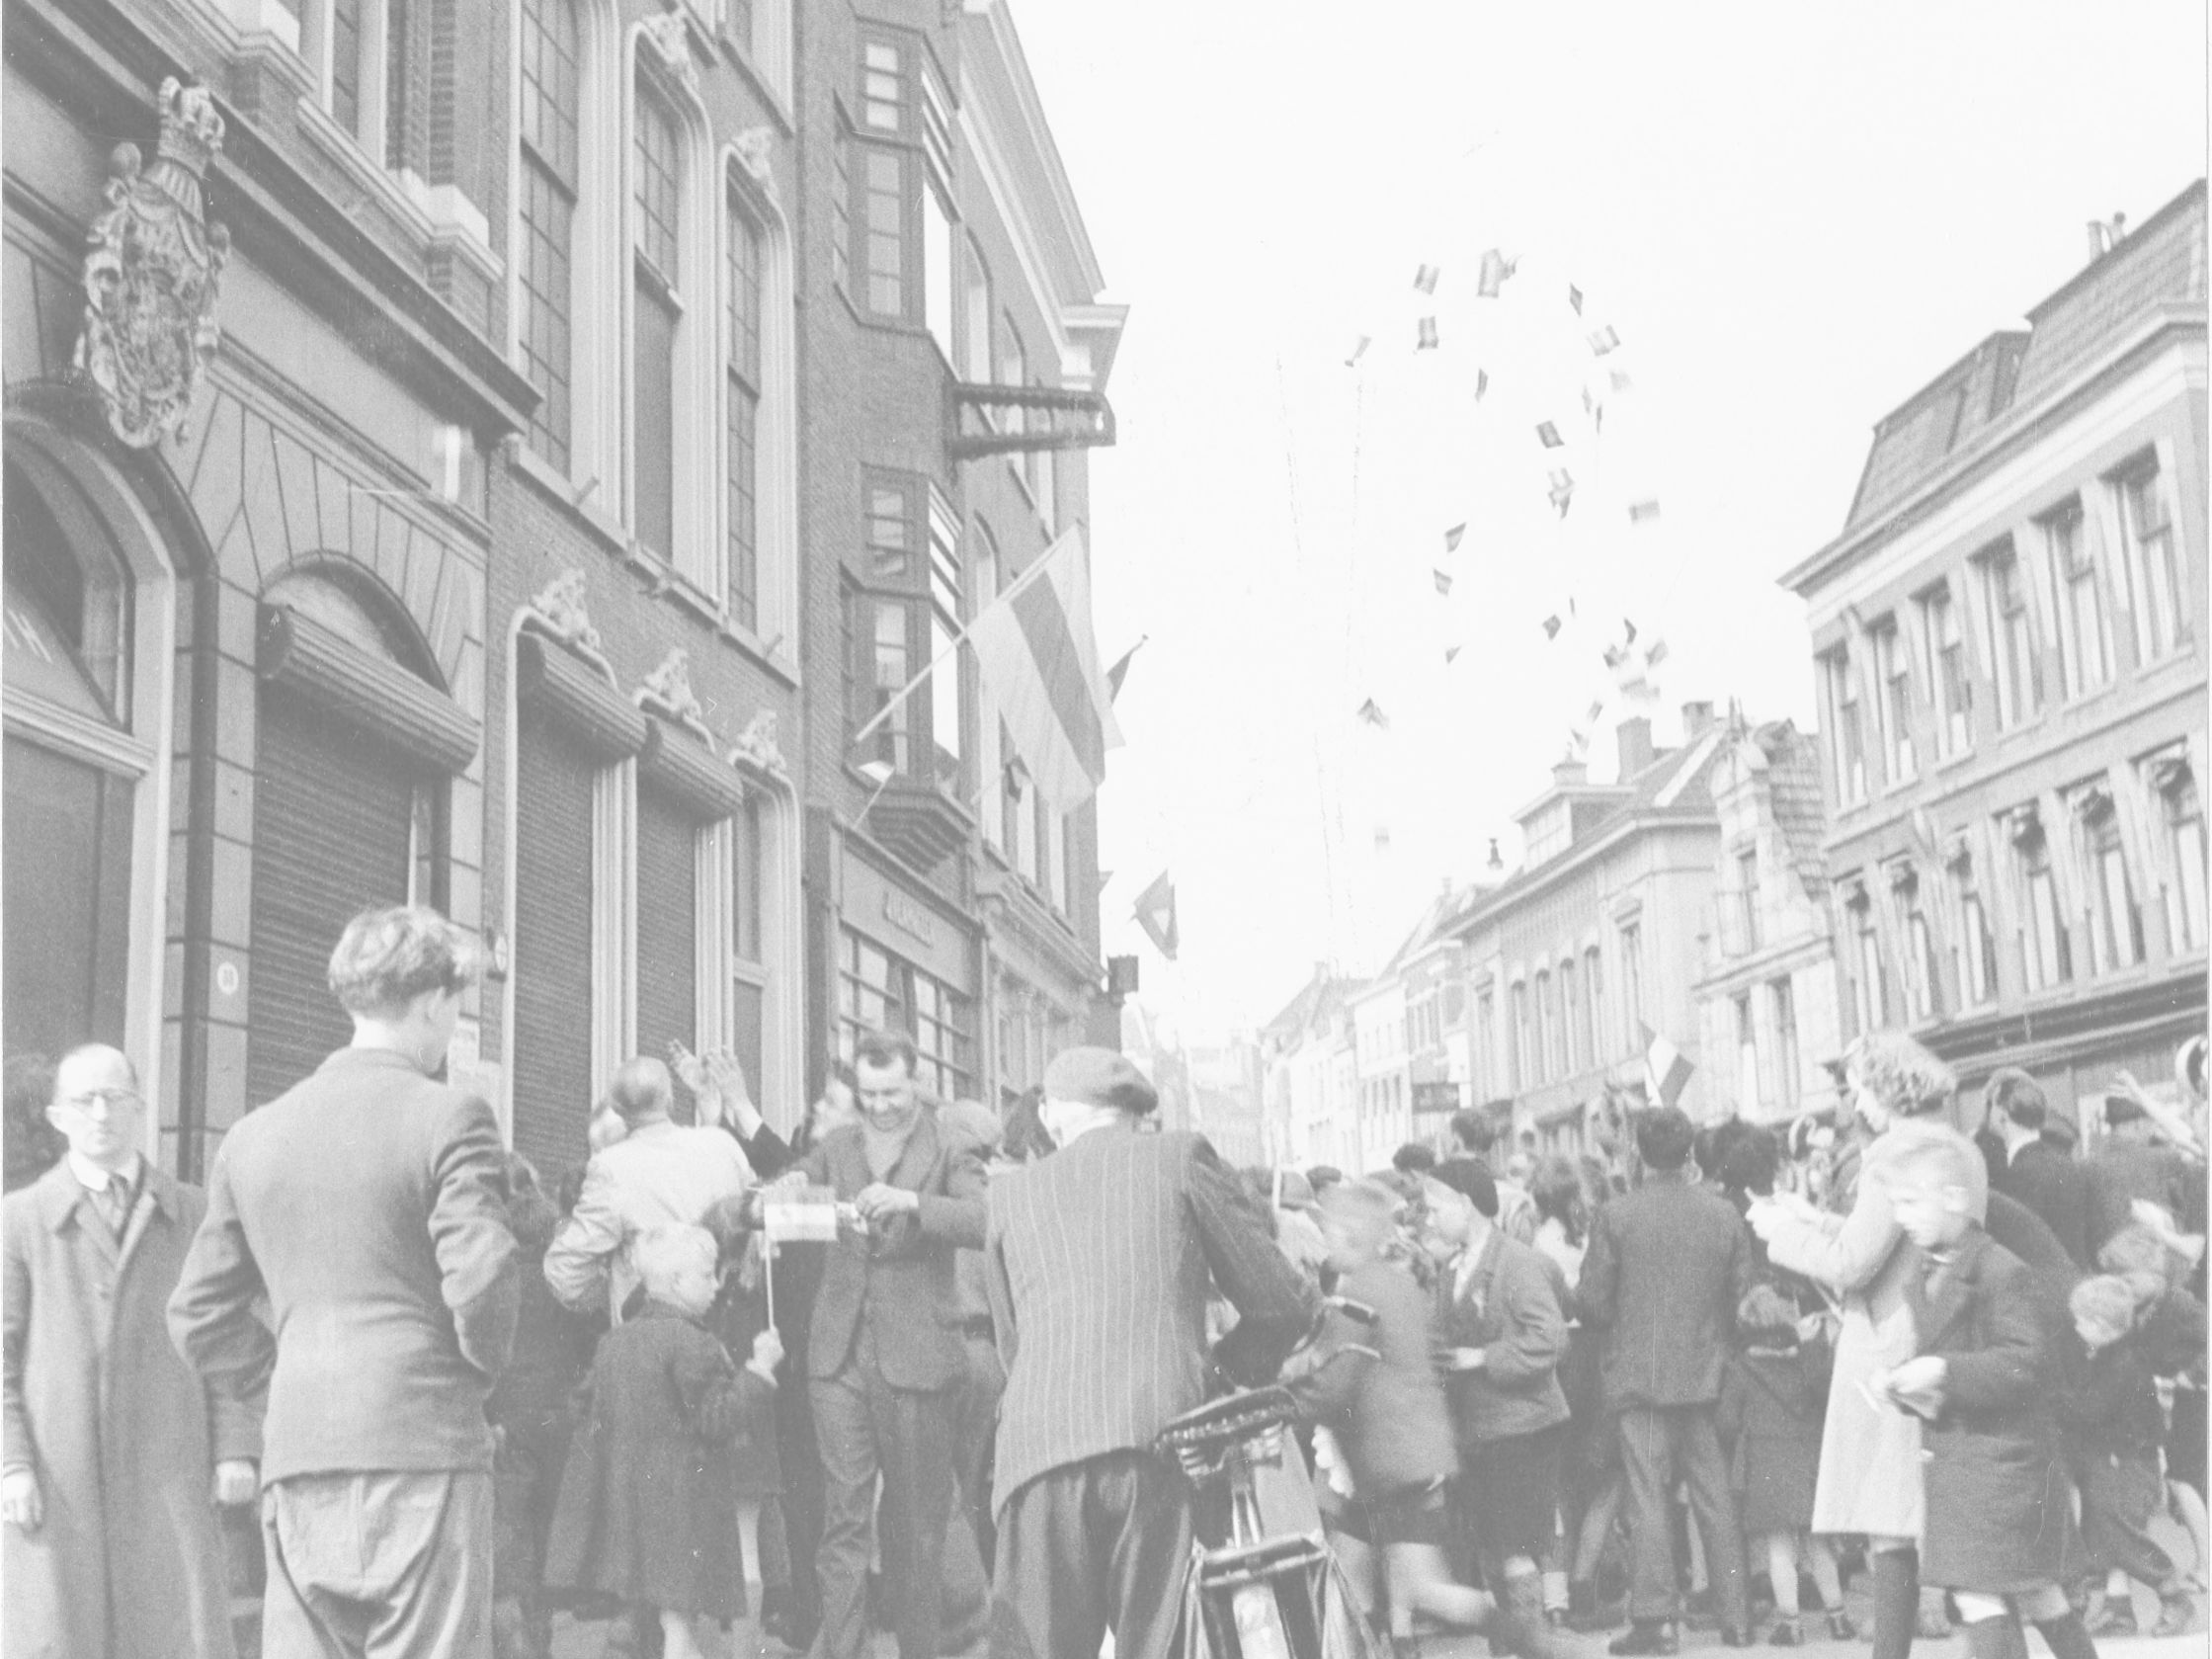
point(115, 1203)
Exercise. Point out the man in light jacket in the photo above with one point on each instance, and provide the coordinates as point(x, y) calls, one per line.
point(367, 1205)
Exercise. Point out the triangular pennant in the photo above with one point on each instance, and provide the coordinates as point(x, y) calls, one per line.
point(1424, 278)
point(1574, 299)
point(1452, 536)
point(1548, 435)
point(1427, 340)
point(1603, 340)
point(1120, 670)
point(1155, 913)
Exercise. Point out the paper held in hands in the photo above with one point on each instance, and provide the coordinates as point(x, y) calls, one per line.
point(801, 1216)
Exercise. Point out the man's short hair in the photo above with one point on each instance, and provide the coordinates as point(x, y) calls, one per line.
point(2015, 1094)
point(1414, 1158)
point(1664, 1137)
point(1473, 1130)
point(1939, 1153)
point(1322, 1176)
point(1471, 1181)
point(642, 1089)
point(130, 1070)
point(387, 958)
point(662, 1253)
point(887, 1048)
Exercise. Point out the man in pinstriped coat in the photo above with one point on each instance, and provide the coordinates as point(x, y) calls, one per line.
point(1100, 1261)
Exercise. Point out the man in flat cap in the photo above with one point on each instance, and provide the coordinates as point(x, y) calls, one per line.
point(1101, 1258)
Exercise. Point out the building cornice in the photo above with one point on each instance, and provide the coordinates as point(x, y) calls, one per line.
point(1038, 131)
point(1576, 858)
point(2002, 440)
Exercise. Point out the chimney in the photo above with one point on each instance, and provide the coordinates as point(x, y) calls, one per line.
point(1697, 719)
point(1635, 746)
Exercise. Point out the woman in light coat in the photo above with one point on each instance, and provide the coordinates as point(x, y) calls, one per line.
point(1869, 1478)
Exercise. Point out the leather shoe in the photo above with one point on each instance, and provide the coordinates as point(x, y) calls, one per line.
point(1731, 1636)
point(1647, 1640)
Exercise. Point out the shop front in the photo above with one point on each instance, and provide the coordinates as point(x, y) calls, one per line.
point(904, 960)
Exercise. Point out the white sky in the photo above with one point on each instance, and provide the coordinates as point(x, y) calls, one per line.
point(1794, 214)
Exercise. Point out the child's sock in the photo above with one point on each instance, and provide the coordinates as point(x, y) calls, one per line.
point(1897, 1601)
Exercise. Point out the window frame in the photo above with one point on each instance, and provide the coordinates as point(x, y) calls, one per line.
point(2161, 625)
point(1950, 670)
point(1893, 701)
point(1849, 767)
point(2070, 547)
point(2015, 661)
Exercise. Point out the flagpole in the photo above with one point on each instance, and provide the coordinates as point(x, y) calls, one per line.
point(1072, 535)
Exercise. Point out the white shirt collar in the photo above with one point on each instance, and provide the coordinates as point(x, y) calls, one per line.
point(93, 1179)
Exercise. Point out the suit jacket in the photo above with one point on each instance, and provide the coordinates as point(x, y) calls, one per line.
point(365, 1204)
point(1386, 1406)
point(122, 1433)
point(1509, 1310)
point(2057, 1188)
point(1667, 1264)
point(660, 1174)
point(1102, 1259)
point(902, 1278)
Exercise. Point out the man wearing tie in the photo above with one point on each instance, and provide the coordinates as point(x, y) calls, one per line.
point(1099, 1262)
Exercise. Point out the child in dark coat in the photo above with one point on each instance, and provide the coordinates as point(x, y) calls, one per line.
point(2113, 1425)
point(1772, 1399)
point(2000, 1522)
point(648, 1506)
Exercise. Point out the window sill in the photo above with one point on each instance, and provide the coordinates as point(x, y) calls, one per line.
point(344, 150)
point(583, 504)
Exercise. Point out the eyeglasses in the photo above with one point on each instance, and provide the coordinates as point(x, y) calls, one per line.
point(112, 1100)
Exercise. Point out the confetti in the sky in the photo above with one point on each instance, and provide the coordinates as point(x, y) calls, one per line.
point(1628, 623)
point(1621, 381)
point(1597, 709)
point(1656, 654)
point(1603, 340)
point(1552, 626)
point(1443, 581)
point(1643, 512)
point(1482, 383)
point(1359, 350)
point(1548, 435)
point(1371, 713)
point(1453, 537)
point(1574, 299)
point(1562, 490)
point(1424, 278)
point(1450, 651)
point(1426, 342)
point(1496, 268)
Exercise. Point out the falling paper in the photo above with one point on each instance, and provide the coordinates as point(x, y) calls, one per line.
point(1597, 709)
point(1443, 581)
point(1603, 340)
point(805, 1215)
point(1427, 339)
point(1656, 653)
point(1450, 651)
point(1370, 713)
point(1496, 268)
point(1629, 623)
point(1452, 536)
point(1360, 351)
point(1574, 299)
point(1482, 383)
point(1621, 381)
point(1552, 626)
point(1424, 278)
point(1615, 655)
point(1642, 512)
point(1548, 435)
point(1562, 490)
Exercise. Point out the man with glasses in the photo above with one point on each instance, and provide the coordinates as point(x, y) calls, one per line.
point(116, 1454)
point(367, 1205)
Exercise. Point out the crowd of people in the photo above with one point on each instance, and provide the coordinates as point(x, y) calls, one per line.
point(1696, 1372)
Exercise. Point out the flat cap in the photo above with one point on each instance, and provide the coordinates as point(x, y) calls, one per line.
point(1099, 1077)
point(2119, 1109)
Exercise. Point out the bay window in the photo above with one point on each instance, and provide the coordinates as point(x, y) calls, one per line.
point(903, 617)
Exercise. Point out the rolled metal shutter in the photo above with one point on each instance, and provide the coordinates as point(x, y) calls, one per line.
point(667, 929)
point(552, 1044)
point(332, 813)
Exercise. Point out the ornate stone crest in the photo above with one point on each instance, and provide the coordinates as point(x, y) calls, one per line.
point(560, 606)
point(668, 691)
point(754, 148)
point(756, 745)
point(151, 269)
point(669, 36)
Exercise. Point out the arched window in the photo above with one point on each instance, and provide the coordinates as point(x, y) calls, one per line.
point(356, 744)
point(82, 762)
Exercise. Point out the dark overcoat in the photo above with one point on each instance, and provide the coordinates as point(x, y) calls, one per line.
point(648, 1504)
point(122, 1436)
point(1999, 1508)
